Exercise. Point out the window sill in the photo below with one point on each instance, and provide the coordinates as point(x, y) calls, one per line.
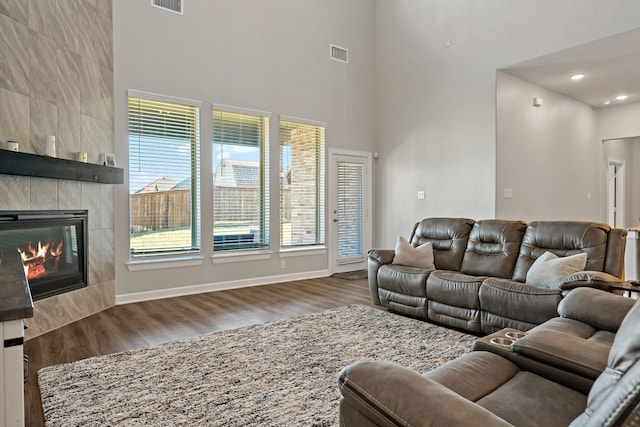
point(240, 256)
point(160, 263)
point(291, 252)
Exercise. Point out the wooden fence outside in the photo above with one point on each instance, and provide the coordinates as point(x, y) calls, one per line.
point(160, 210)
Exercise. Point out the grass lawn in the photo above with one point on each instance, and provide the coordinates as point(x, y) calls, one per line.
point(181, 237)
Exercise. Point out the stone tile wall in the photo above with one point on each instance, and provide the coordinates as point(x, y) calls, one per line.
point(56, 78)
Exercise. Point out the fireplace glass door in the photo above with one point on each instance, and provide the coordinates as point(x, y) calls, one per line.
point(52, 245)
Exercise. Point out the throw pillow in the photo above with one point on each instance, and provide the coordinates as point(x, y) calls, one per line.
point(421, 257)
point(549, 269)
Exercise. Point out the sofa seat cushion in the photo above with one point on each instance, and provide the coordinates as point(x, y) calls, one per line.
point(403, 279)
point(453, 299)
point(453, 288)
point(519, 301)
point(402, 289)
point(518, 397)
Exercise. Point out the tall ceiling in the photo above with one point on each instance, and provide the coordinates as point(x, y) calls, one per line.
point(611, 67)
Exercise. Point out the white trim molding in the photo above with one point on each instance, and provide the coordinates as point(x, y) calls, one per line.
point(220, 286)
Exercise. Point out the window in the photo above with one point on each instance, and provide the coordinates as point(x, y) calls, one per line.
point(302, 183)
point(164, 158)
point(240, 180)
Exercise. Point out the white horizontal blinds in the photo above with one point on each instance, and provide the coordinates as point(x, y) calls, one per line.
point(164, 158)
point(302, 184)
point(240, 181)
point(350, 208)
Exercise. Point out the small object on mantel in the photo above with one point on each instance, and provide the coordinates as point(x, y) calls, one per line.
point(12, 146)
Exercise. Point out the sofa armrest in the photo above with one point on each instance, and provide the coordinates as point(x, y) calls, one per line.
point(381, 256)
point(565, 351)
point(389, 394)
point(377, 258)
point(591, 279)
point(600, 309)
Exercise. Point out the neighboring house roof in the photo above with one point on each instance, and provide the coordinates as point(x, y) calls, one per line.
point(160, 184)
point(237, 173)
point(185, 184)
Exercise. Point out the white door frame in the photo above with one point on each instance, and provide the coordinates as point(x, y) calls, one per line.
point(616, 193)
point(332, 193)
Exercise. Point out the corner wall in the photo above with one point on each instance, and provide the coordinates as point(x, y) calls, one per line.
point(546, 155)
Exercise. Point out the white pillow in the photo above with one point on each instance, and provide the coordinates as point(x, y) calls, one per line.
point(421, 257)
point(549, 269)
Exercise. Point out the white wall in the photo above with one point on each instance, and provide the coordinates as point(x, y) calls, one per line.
point(546, 155)
point(270, 55)
point(435, 105)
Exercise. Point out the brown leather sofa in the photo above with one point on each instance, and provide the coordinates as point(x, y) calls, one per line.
point(479, 281)
point(484, 388)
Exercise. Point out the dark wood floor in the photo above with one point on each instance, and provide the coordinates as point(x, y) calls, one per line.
point(131, 326)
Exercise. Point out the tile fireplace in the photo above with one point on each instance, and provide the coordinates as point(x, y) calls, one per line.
point(53, 247)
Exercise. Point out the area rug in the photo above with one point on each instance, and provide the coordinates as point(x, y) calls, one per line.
point(351, 275)
point(281, 373)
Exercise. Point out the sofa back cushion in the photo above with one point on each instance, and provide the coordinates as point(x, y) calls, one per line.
point(493, 248)
point(562, 238)
point(449, 237)
point(615, 395)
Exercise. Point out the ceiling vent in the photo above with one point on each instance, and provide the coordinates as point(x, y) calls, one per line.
point(339, 54)
point(170, 5)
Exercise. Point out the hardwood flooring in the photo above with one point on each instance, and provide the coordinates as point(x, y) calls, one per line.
point(132, 326)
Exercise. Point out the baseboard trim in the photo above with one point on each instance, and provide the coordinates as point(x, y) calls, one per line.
point(219, 286)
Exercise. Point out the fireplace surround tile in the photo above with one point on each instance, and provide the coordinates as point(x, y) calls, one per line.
point(14, 118)
point(43, 193)
point(69, 194)
point(43, 67)
point(68, 80)
point(15, 9)
point(79, 34)
point(14, 49)
point(15, 192)
point(44, 121)
point(91, 202)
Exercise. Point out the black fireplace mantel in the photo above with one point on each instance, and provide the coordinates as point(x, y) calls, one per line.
point(26, 164)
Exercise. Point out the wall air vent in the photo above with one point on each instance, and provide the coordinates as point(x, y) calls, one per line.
point(339, 54)
point(170, 5)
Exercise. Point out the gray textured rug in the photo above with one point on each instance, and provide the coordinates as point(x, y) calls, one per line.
point(282, 373)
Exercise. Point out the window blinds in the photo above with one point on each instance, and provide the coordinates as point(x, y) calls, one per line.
point(350, 207)
point(163, 176)
point(241, 184)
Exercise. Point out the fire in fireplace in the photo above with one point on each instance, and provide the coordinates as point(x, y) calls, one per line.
point(53, 247)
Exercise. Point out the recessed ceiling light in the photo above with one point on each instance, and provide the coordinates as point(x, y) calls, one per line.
point(622, 97)
point(607, 102)
point(577, 77)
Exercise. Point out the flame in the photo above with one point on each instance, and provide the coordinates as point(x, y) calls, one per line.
point(34, 259)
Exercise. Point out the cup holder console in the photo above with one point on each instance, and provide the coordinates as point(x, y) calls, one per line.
point(503, 341)
point(508, 338)
point(514, 335)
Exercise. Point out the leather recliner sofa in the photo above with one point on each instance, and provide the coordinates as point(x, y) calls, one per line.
point(479, 281)
point(484, 388)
